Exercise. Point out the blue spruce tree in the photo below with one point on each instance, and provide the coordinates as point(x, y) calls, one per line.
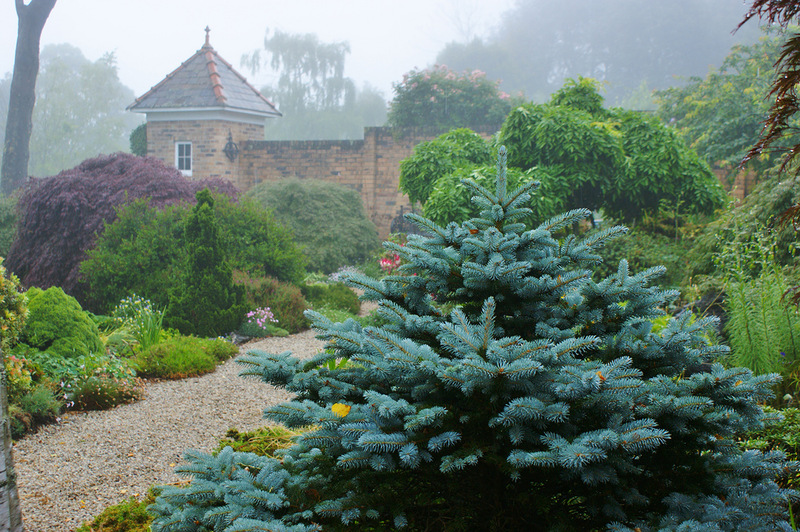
point(507, 391)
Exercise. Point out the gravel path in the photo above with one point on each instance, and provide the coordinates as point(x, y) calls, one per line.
point(70, 472)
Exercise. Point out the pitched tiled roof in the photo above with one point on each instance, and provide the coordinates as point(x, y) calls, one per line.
point(205, 80)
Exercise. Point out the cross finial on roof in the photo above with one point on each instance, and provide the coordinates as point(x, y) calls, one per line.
point(208, 31)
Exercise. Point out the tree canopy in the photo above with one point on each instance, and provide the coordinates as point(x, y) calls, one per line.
point(311, 91)
point(781, 122)
point(722, 115)
point(31, 18)
point(625, 162)
point(623, 43)
point(79, 111)
point(440, 98)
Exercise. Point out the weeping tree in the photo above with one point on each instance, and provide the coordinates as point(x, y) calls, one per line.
point(311, 90)
point(23, 83)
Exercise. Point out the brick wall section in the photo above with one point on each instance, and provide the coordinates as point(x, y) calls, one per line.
point(742, 184)
point(370, 166)
point(208, 138)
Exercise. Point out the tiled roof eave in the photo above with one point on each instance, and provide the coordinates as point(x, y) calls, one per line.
point(221, 108)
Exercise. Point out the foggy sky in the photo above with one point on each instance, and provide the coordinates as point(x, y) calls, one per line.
point(151, 38)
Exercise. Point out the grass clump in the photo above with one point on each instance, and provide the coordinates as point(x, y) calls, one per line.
point(263, 442)
point(104, 391)
point(129, 515)
point(181, 357)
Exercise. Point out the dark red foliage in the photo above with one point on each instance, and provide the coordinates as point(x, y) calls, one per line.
point(778, 124)
point(60, 216)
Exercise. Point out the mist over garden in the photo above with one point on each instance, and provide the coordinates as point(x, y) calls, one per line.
point(586, 318)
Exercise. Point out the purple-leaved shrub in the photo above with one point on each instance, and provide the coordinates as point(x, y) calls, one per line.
point(61, 216)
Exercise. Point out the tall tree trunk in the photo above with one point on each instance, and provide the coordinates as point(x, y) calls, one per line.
point(10, 512)
point(31, 19)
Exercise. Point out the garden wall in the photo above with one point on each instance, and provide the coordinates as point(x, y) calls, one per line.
point(370, 166)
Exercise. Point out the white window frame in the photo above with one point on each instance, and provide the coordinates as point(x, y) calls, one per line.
point(181, 159)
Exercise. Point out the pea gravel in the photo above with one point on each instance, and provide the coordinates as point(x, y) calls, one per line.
point(69, 472)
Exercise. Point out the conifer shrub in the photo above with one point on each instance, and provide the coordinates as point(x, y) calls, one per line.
point(508, 391)
point(332, 295)
point(61, 216)
point(142, 251)
point(138, 140)
point(205, 301)
point(327, 219)
point(139, 253)
point(181, 357)
point(57, 323)
point(285, 300)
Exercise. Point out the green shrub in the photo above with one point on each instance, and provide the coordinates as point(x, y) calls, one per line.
point(257, 242)
point(142, 251)
point(8, 223)
point(37, 407)
point(327, 219)
point(205, 301)
point(450, 199)
point(334, 295)
point(285, 300)
point(13, 309)
point(139, 253)
point(103, 391)
point(263, 442)
point(761, 208)
point(57, 323)
point(181, 357)
point(138, 140)
point(219, 348)
point(129, 515)
point(439, 157)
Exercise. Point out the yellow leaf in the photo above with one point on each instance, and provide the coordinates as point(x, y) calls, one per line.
point(340, 409)
point(737, 383)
